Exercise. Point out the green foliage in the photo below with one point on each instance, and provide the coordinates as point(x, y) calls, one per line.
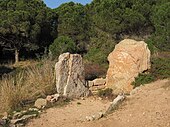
point(112, 19)
point(151, 45)
point(96, 56)
point(61, 45)
point(101, 44)
point(26, 24)
point(161, 68)
point(73, 22)
point(94, 28)
point(161, 21)
point(143, 79)
point(117, 16)
point(106, 93)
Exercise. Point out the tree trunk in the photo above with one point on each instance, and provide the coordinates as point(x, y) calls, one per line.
point(16, 55)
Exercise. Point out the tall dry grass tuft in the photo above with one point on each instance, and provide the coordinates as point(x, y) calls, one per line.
point(41, 78)
point(33, 82)
point(12, 92)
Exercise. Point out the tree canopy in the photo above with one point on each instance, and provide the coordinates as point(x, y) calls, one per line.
point(73, 22)
point(161, 21)
point(61, 45)
point(26, 24)
point(94, 28)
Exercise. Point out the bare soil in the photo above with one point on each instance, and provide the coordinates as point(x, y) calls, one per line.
point(149, 106)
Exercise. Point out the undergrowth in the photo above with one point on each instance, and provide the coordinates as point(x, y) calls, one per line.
point(106, 94)
point(160, 69)
point(35, 81)
point(143, 79)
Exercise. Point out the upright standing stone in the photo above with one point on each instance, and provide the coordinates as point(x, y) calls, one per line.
point(128, 59)
point(70, 77)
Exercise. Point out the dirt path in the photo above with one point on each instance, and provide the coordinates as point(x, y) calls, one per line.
point(147, 107)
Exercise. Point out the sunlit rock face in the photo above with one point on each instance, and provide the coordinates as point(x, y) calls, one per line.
point(128, 59)
point(70, 77)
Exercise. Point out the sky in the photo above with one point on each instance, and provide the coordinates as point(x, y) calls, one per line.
point(56, 3)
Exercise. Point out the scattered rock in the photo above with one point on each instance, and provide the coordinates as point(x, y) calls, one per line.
point(70, 77)
point(99, 81)
point(82, 98)
point(134, 91)
point(53, 98)
point(116, 102)
point(128, 59)
point(24, 111)
point(17, 119)
point(97, 88)
point(48, 98)
point(40, 103)
point(96, 85)
point(3, 122)
point(23, 119)
point(96, 116)
point(89, 118)
point(5, 116)
point(99, 115)
point(17, 115)
point(33, 109)
point(20, 125)
point(90, 83)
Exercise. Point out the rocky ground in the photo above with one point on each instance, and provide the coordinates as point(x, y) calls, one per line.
point(147, 106)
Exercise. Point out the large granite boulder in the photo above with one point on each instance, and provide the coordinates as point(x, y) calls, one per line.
point(70, 77)
point(128, 59)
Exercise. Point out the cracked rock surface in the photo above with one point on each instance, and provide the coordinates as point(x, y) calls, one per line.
point(70, 77)
point(128, 59)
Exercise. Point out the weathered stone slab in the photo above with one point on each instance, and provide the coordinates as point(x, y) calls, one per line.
point(70, 77)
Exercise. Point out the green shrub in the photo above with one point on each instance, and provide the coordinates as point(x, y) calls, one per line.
point(143, 79)
point(161, 68)
point(60, 45)
point(106, 93)
point(151, 46)
point(95, 55)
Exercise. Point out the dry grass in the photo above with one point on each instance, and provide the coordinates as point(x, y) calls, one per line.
point(33, 82)
point(12, 92)
point(41, 78)
point(24, 64)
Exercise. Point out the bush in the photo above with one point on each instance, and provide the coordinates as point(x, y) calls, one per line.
point(150, 43)
point(60, 45)
point(96, 56)
point(160, 18)
point(161, 68)
point(106, 93)
point(143, 79)
point(93, 70)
